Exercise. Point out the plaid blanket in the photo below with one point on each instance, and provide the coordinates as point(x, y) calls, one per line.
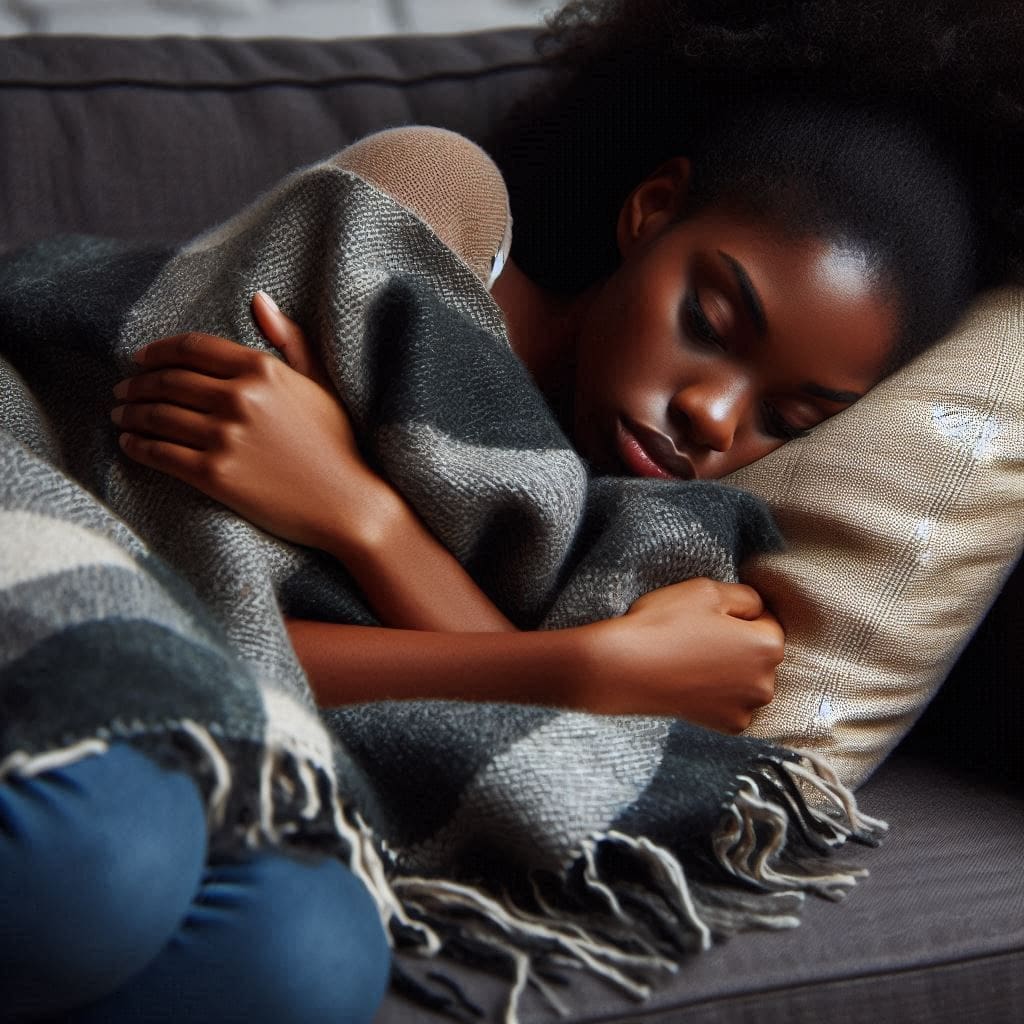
point(133, 607)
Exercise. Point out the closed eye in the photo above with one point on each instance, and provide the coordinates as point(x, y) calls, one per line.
point(697, 324)
point(776, 425)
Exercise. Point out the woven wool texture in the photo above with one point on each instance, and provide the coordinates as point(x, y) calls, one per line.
point(154, 613)
point(903, 516)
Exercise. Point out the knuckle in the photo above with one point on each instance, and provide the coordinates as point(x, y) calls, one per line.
point(238, 401)
point(211, 470)
point(250, 394)
point(739, 720)
point(264, 367)
point(223, 435)
point(764, 692)
point(191, 342)
point(771, 646)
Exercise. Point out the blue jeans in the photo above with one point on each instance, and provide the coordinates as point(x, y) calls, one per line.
point(110, 912)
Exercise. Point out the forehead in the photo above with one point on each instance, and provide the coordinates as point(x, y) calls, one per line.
point(817, 294)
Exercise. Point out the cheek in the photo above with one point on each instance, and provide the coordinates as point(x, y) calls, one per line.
point(632, 336)
point(753, 445)
point(758, 446)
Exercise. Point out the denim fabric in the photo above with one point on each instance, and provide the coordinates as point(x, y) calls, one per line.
point(109, 913)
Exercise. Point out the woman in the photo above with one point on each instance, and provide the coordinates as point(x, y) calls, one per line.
point(741, 314)
point(773, 223)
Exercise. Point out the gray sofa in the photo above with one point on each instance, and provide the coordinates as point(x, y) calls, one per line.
point(159, 138)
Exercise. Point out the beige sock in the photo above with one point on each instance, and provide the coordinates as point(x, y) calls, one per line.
point(448, 182)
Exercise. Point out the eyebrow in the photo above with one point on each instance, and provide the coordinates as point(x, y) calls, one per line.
point(756, 310)
point(750, 297)
point(830, 394)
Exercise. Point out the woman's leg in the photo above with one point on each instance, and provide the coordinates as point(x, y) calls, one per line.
point(99, 862)
point(106, 906)
point(269, 940)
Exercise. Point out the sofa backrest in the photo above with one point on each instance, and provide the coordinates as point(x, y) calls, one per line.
point(159, 138)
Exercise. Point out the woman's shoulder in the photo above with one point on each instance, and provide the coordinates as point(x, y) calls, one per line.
point(448, 181)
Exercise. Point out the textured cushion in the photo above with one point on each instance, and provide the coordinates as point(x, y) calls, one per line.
point(449, 182)
point(903, 516)
point(935, 934)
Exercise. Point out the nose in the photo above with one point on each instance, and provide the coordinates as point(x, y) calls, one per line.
point(710, 411)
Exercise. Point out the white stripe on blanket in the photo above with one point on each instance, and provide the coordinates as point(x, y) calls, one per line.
point(33, 546)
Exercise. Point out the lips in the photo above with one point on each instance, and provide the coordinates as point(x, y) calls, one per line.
point(648, 452)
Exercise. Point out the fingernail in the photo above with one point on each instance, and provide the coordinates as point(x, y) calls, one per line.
point(121, 389)
point(269, 301)
point(117, 413)
point(138, 356)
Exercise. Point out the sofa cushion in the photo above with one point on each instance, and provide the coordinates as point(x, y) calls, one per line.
point(935, 934)
point(160, 138)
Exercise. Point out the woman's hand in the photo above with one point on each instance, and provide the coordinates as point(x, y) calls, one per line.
point(700, 650)
point(288, 338)
point(271, 441)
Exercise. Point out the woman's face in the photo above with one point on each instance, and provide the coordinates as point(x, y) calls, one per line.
point(716, 341)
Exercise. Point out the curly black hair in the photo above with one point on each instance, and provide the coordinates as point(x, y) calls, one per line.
point(899, 123)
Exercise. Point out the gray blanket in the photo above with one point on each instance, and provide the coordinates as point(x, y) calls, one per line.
point(133, 607)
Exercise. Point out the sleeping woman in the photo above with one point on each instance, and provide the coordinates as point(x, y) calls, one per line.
point(763, 284)
point(778, 210)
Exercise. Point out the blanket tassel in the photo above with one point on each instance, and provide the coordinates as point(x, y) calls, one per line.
point(774, 837)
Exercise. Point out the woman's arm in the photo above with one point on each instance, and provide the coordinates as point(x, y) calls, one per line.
point(698, 650)
point(275, 445)
point(407, 576)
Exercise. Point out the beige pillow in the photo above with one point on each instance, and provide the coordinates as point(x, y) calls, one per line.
point(903, 516)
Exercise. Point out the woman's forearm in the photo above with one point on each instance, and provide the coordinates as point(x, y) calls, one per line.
point(408, 577)
point(700, 650)
point(352, 664)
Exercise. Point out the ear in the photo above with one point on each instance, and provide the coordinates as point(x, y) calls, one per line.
point(654, 204)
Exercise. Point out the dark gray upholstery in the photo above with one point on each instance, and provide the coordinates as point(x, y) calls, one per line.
point(160, 138)
point(935, 934)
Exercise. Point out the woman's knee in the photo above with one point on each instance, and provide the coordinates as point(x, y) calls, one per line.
point(268, 940)
point(99, 862)
point(314, 947)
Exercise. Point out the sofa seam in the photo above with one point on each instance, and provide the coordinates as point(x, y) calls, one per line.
point(280, 82)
